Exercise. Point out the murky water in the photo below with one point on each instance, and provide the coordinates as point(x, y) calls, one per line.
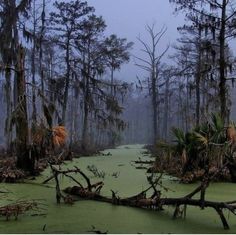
point(80, 217)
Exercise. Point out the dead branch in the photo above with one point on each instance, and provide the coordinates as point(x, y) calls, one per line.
point(17, 208)
point(156, 202)
point(85, 192)
point(140, 200)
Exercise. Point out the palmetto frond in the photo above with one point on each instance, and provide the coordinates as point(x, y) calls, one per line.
point(217, 133)
point(179, 136)
point(217, 123)
point(200, 138)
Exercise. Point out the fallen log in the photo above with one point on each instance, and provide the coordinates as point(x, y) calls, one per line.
point(155, 202)
point(86, 192)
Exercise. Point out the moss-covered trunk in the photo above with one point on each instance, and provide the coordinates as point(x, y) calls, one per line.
point(24, 160)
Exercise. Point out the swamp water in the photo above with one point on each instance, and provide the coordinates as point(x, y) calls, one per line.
point(80, 217)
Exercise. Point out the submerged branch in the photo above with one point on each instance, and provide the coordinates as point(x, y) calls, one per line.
point(140, 200)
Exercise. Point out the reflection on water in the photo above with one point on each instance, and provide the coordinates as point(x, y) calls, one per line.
point(83, 215)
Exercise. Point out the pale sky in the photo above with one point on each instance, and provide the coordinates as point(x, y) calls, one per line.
point(127, 19)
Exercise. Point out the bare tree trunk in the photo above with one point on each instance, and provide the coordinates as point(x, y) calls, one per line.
point(34, 111)
point(197, 100)
point(85, 137)
point(198, 78)
point(41, 52)
point(71, 119)
point(151, 65)
point(187, 106)
point(9, 109)
point(23, 158)
point(85, 126)
point(67, 82)
point(222, 84)
point(166, 109)
point(76, 118)
point(112, 81)
point(154, 107)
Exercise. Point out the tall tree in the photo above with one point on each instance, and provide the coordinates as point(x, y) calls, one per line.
point(89, 47)
point(189, 55)
point(13, 59)
point(117, 53)
point(41, 37)
point(66, 22)
point(218, 17)
point(152, 63)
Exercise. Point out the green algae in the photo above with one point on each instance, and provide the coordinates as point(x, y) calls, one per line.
point(80, 217)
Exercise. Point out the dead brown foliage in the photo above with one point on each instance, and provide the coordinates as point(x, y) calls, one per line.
point(59, 135)
point(231, 134)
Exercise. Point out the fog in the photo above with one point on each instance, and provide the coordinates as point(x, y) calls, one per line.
point(128, 19)
point(91, 77)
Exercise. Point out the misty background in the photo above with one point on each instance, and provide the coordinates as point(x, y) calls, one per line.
point(129, 19)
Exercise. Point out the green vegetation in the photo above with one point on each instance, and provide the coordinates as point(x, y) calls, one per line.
point(80, 217)
point(206, 148)
point(61, 103)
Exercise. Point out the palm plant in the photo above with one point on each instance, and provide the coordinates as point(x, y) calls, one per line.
point(210, 144)
point(179, 139)
point(204, 146)
point(212, 139)
point(185, 148)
